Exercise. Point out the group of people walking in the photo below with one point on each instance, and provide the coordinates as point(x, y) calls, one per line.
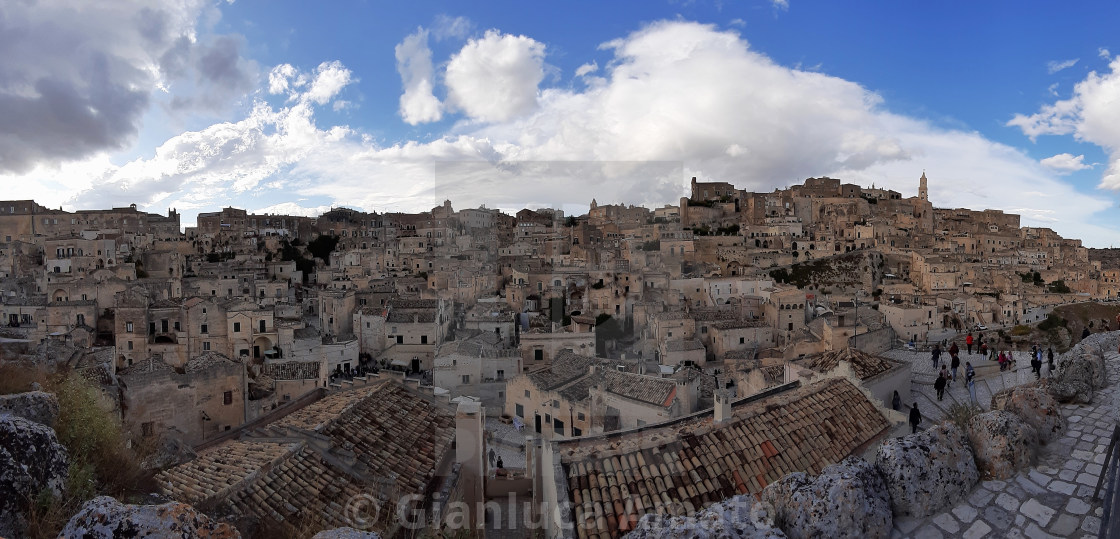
point(948, 376)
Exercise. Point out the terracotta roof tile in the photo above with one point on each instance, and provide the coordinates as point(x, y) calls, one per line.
point(705, 463)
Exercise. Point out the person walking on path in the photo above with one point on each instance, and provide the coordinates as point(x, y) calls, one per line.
point(936, 355)
point(915, 418)
point(983, 350)
point(954, 349)
point(954, 364)
point(969, 375)
point(939, 385)
point(490, 456)
point(896, 402)
point(968, 343)
point(1002, 362)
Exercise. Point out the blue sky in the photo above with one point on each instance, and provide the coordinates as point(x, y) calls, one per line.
point(295, 107)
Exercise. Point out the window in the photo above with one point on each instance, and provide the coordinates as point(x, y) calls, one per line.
point(263, 326)
point(147, 428)
point(128, 327)
point(580, 416)
point(742, 340)
point(527, 394)
point(400, 339)
point(176, 326)
point(205, 328)
point(501, 374)
point(423, 339)
point(538, 355)
point(466, 378)
point(130, 345)
point(227, 397)
point(237, 327)
point(206, 346)
point(576, 432)
point(519, 410)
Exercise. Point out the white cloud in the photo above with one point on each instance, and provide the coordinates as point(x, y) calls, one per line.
point(78, 77)
point(1104, 53)
point(1064, 163)
point(495, 78)
point(781, 5)
point(677, 100)
point(586, 69)
point(330, 78)
point(414, 63)
point(1090, 115)
point(293, 208)
point(446, 27)
point(1055, 66)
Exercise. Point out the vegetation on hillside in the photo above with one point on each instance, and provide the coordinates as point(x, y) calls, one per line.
point(101, 460)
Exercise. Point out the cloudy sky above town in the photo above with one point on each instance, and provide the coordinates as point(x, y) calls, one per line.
point(295, 107)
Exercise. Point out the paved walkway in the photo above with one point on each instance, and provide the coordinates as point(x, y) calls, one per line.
point(989, 380)
point(1052, 498)
point(507, 443)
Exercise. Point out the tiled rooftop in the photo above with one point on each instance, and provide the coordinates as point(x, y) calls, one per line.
point(291, 370)
point(566, 366)
point(381, 441)
point(686, 466)
point(865, 365)
point(217, 469)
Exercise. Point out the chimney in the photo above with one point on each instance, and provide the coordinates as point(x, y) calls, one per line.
point(722, 410)
point(469, 452)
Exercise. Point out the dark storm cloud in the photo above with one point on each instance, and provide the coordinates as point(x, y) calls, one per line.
point(77, 77)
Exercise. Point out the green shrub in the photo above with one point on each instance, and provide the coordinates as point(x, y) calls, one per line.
point(1020, 330)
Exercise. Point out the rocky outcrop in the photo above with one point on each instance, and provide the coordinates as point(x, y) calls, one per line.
point(848, 499)
point(346, 533)
point(1035, 406)
point(170, 451)
point(1081, 370)
point(928, 470)
point(31, 461)
point(1002, 443)
point(105, 517)
point(739, 517)
point(36, 406)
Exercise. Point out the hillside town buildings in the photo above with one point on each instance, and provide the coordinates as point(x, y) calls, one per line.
point(585, 331)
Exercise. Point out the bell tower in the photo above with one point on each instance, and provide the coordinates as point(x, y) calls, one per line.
point(923, 191)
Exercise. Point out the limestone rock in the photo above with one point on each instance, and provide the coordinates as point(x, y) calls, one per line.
point(1081, 370)
point(1002, 442)
point(36, 406)
point(735, 518)
point(1034, 406)
point(170, 451)
point(346, 533)
point(105, 517)
point(31, 459)
point(927, 471)
point(848, 499)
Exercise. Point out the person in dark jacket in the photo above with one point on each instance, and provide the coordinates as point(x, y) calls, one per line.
point(1050, 359)
point(935, 355)
point(954, 364)
point(896, 402)
point(915, 418)
point(939, 385)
